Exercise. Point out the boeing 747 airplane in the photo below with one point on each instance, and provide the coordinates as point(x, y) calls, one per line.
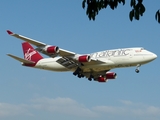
point(95, 66)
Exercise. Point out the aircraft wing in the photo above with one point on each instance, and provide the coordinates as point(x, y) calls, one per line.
point(40, 45)
point(33, 42)
point(68, 58)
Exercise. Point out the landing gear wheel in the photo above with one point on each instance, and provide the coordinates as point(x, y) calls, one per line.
point(137, 71)
point(90, 78)
point(77, 71)
point(82, 75)
point(79, 75)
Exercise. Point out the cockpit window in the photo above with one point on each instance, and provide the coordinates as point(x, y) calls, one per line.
point(139, 49)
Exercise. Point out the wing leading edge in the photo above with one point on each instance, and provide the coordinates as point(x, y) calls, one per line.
point(31, 41)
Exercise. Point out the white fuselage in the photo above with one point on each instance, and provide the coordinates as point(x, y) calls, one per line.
point(110, 59)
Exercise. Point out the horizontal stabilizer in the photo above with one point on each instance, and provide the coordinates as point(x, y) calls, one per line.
point(21, 59)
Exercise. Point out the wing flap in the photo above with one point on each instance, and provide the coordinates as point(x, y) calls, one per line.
point(20, 59)
point(67, 63)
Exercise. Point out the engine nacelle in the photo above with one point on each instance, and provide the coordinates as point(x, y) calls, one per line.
point(111, 75)
point(101, 79)
point(84, 58)
point(51, 49)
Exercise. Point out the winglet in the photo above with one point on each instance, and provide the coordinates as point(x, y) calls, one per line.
point(9, 32)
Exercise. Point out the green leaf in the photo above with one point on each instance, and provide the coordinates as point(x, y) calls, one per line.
point(111, 5)
point(157, 16)
point(105, 3)
point(137, 7)
point(93, 17)
point(142, 9)
point(133, 3)
point(83, 4)
point(131, 14)
point(88, 1)
point(123, 1)
point(136, 15)
point(140, 1)
point(89, 16)
point(115, 3)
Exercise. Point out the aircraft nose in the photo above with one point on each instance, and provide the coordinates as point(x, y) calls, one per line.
point(149, 56)
point(154, 56)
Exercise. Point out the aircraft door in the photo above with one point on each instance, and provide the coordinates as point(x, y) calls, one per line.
point(131, 54)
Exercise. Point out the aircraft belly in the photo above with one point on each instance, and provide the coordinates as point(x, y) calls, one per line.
point(97, 67)
point(52, 65)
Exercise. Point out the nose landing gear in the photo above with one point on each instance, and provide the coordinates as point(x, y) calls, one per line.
point(137, 71)
point(137, 68)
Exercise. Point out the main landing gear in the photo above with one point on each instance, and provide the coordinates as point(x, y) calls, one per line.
point(78, 73)
point(137, 68)
point(90, 77)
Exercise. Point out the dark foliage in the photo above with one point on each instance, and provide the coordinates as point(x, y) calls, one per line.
point(157, 16)
point(94, 6)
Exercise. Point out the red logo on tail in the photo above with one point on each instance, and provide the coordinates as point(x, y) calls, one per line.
point(30, 53)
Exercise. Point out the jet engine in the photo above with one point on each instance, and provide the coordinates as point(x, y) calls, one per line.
point(111, 75)
point(51, 49)
point(84, 58)
point(101, 79)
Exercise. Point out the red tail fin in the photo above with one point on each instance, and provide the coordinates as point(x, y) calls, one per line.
point(30, 53)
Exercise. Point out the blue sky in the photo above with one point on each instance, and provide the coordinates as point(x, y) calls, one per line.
point(27, 93)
